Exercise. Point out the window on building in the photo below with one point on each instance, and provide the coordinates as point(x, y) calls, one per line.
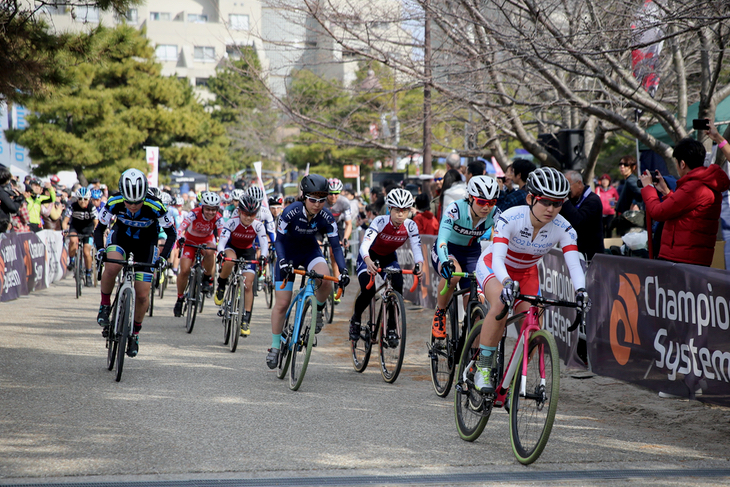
point(131, 16)
point(238, 21)
point(197, 18)
point(204, 54)
point(201, 81)
point(166, 52)
point(87, 14)
point(159, 15)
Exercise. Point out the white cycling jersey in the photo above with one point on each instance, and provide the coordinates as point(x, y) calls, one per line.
point(516, 246)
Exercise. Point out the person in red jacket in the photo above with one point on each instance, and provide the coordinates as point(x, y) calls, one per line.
point(425, 219)
point(692, 211)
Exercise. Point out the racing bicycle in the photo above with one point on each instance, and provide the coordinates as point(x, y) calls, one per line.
point(445, 353)
point(386, 312)
point(528, 387)
point(194, 295)
point(300, 322)
point(234, 302)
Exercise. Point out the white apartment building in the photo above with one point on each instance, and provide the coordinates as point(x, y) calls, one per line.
point(190, 37)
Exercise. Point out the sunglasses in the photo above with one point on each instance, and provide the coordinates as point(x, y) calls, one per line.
point(438, 179)
point(484, 202)
point(316, 201)
point(245, 213)
point(624, 164)
point(546, 202)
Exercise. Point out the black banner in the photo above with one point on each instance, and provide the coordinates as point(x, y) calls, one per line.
point(661, 325)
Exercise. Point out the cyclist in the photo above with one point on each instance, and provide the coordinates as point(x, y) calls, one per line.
point(264, 215)
point(96, 200)
point(522, 235)
point(201, 226)
point(296, 245)
point(228, 205)
point(139, 215)
point(457, 246)
point(339, 205)
point(385, 234)
point(79, 221)
point(237, 242)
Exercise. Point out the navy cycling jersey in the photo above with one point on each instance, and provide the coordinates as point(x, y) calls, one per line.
point(295, 233)
point(142, 227)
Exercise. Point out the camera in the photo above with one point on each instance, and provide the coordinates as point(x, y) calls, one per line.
point(701, 124)
point(655, 176)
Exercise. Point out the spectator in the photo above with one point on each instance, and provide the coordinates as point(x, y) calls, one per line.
point(240, 183)
point(690, 213)
point(453, 161)
point(228, 186)
point(517, 172)
point(584, 210)
point(475, 168)
point(609, 197)
point(453, 189)
point(10, 200)
point(35, 198)
point(630, 195)
point(424, 218)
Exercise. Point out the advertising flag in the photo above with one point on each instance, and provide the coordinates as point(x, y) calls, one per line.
point(645, 33)
point(153, 165)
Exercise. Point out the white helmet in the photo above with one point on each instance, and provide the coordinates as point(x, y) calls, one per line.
point(236, 194)
point(483, 187)
point(209, 198)
point(133, 186)
point(166, 199)
point(256, 192)
point(335, 185)
point(399, 198)
point(155, 192)
point(548, 182)
point(226, 197)
point(179, 201)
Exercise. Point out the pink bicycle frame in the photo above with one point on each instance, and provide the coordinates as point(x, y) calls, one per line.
point(530, 324)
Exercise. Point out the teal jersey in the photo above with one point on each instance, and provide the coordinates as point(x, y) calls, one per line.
point(458, 228)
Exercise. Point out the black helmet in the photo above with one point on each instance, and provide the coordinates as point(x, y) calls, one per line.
point(249, 203)
point(314, 183)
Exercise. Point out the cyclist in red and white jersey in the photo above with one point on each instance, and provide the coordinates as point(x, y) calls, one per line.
point(522, 236)
point(385, 234)
point(236, 242)
point(199, 227)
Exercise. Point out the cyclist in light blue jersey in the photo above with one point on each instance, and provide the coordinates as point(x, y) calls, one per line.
point(457, 247)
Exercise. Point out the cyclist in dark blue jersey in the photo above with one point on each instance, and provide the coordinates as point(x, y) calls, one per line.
point(296, 245)
point(138, 217)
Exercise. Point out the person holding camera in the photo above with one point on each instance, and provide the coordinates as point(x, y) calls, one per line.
point(10, 200)
point(691, 213)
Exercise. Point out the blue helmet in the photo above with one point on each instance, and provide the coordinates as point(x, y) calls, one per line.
point(96, 194)
point(83, 193)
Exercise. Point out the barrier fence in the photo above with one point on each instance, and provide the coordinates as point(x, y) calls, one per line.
point(660, 325)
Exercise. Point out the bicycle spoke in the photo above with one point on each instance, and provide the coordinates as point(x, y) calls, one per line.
point(471, 408)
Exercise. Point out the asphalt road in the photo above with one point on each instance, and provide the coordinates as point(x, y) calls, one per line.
point(188, 411)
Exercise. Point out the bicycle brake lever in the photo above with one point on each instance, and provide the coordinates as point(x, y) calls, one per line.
point(578, 319)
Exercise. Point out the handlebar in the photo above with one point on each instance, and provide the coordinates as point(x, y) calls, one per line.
point(390, 271)
point(129, 262)
point(543, 301)
point(469, 275)
point(192, 246)
point(314, 275)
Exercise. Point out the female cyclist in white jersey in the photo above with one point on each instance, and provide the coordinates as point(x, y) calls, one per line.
point(522, 236)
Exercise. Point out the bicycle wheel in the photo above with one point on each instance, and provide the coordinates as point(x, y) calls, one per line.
point(152, 291)
point(268, 290)
point(237, 310)
point(302, 348)
point(201, 295)
point(78, 265)
point(191, 300)
point(225, 313)
point(124, 329)
point(285, 355)
point(532, 413)
point(393, 351)
point(163, 283)
point(111, 339)
point(471, 408)
point(329, 307)
point(362, 348)
point(443, 353)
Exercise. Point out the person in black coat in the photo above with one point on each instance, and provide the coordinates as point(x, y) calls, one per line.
point(10, 200)
point(584, 210)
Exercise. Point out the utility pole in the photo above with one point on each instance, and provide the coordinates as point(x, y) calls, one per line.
point(427, 169)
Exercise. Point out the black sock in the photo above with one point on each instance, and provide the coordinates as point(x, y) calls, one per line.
point(222, 283)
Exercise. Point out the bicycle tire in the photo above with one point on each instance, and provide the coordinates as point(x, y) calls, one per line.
point(329, 306)
point(285, 356)
point(226, 314)
point(391, 357)
point(530, 420)
point(77, 271)
point(239, 306)
point(125, 330)
point(268, 291)
point(191, 303)
point(443, 353)
point(302, 348)
point(362, 348)
point(111, 342)
point(152, 293)
point(201, 294)
point(163, 285)
point(471, 408)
